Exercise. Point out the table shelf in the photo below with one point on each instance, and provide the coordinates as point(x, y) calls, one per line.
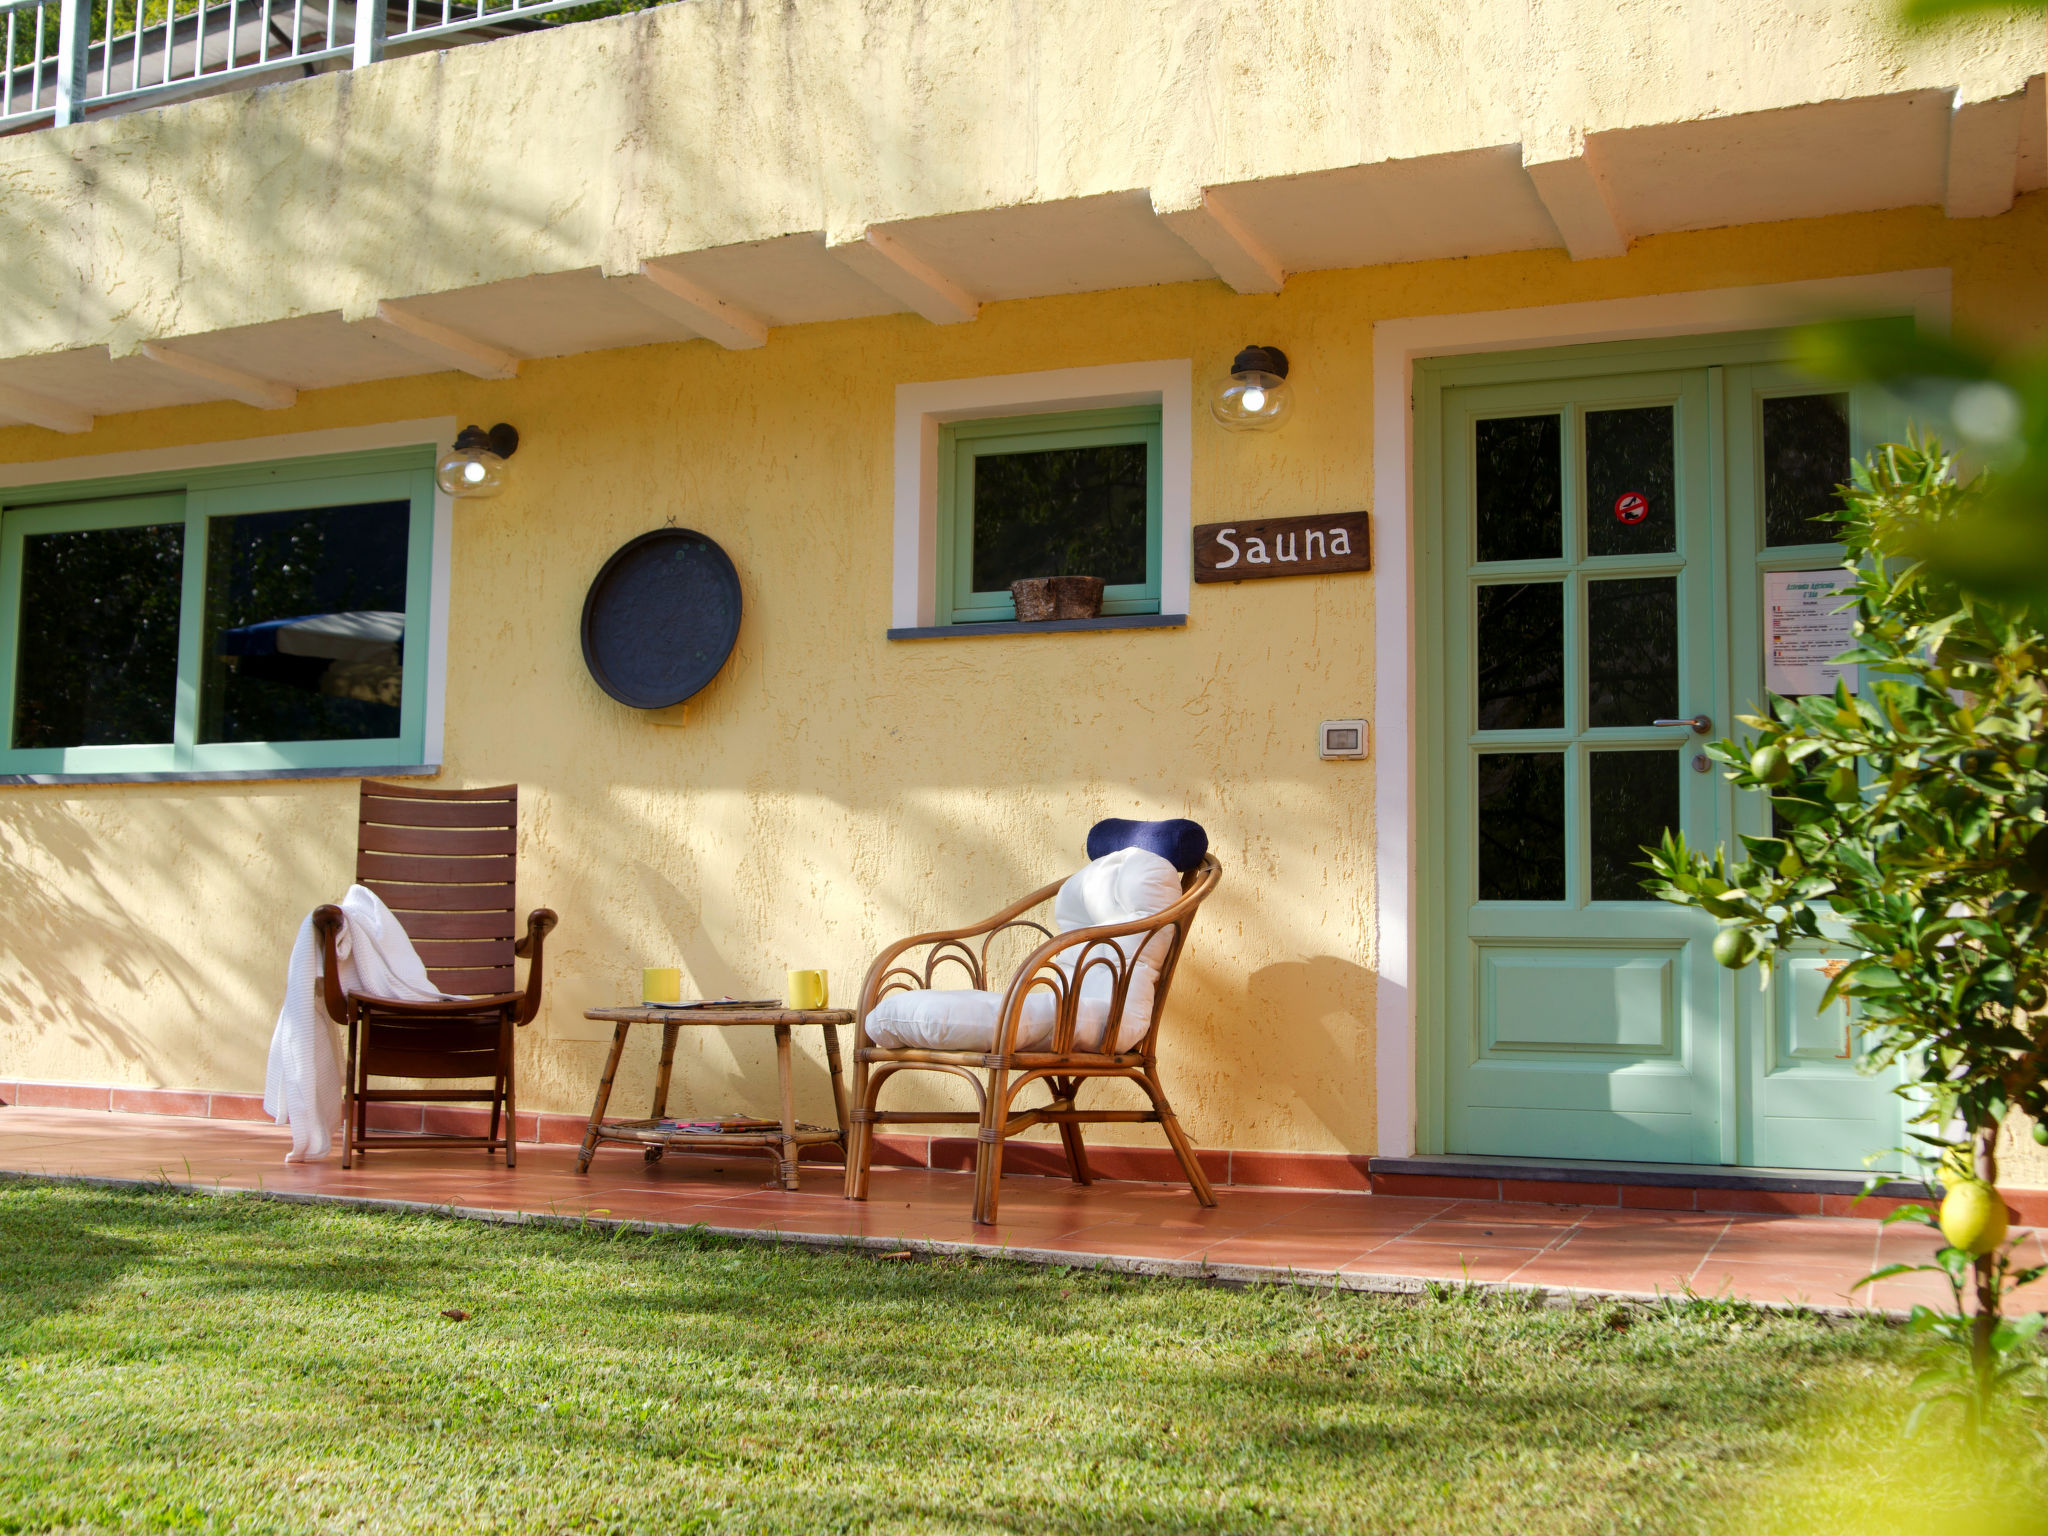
point(783, 1142)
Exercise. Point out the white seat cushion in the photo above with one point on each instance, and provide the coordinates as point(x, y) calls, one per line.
point(1120, 887)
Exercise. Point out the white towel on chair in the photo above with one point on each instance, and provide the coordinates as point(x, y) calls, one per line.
point(302, 1087)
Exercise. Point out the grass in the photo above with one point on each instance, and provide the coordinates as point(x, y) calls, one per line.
point(178, 1362)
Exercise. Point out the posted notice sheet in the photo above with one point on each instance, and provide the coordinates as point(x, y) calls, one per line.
point(1803, 633)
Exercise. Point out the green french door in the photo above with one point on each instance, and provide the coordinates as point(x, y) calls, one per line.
point(1601, 538)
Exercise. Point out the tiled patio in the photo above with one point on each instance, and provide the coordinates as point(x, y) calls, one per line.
point(1369, 1241)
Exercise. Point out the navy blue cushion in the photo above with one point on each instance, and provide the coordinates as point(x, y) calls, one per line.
point(1181, 843)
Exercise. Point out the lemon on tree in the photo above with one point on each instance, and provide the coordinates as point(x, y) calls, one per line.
point(1973, 1217)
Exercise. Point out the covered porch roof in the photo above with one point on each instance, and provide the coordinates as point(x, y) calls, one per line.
point(717, 169)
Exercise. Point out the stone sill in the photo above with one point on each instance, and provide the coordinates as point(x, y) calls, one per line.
point(1042, 627)
point(206, 775)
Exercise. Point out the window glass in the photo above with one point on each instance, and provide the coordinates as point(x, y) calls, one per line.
point(1521, 826)
point(1631, 481)
point(1521, 656)
point(1060, 512)
point(1633, 799)
point(1631, 651)
point(305, 624)
point(1068, 493)
point(97, 654)
point(1518, 487)
point(1806, 455)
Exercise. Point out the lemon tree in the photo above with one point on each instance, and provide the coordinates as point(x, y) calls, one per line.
point(1910, 835)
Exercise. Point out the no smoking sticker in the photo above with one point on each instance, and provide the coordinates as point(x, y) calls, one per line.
point(1631, 507)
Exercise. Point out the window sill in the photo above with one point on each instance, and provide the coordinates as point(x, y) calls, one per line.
point(1042, 627)
point(204, 775)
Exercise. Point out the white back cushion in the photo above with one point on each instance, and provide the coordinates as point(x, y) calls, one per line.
point(1122, 887)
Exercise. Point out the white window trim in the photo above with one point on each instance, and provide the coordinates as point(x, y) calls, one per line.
point(431, 430)
point(1396, 344)
point(921, 409)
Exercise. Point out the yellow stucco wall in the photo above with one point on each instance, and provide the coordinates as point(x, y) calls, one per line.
point(832, 788)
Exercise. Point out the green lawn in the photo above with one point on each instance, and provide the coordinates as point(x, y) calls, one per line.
point(174, 1362)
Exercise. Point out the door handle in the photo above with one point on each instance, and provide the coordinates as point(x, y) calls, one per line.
point(1703, 724)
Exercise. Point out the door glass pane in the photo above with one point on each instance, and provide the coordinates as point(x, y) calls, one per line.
point(1806, 455)
point(98, 652)
point(305, 624)
point(1060, 512)
point(1518, 480)
point(1631, 651)
point(1521, 826)
point(1521, 656)
point(1634, 797)
point(1631, 506)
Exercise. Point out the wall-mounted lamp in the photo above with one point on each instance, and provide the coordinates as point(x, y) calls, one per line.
point(475, 466)
point(1258, 397)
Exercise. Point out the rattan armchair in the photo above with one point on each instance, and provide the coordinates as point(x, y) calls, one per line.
point(1060, 965)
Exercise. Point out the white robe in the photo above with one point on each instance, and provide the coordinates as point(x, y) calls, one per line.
point(302, 1087)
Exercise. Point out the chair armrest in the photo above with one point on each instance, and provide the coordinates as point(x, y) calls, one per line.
point(327, 925)
point(539, 924)
point(945, 944)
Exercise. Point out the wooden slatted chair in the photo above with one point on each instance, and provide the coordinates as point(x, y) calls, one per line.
point(444, 861)
point(1064, 966)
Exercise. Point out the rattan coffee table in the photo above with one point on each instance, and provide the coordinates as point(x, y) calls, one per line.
point(783, 1143)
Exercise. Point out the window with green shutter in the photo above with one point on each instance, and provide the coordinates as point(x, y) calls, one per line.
point(267, 617)
point(1072, 493)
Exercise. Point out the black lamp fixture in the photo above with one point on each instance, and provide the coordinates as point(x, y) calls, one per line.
point(1258, 397)
point(475, 466)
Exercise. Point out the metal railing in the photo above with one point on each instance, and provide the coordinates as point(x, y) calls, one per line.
point(66, 57)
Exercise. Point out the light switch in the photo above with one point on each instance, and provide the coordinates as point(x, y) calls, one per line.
point(1345, 738)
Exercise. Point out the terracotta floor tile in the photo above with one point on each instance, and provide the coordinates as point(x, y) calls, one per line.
point(1490, 1234)
point(1517, 1213)
point(1759, 1256)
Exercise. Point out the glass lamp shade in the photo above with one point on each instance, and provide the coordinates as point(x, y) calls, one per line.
point(470, 472)
point(475, 464)
point(1257, 397)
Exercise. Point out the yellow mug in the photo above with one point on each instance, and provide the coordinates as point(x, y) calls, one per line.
point(805, 989)
point(661, 984)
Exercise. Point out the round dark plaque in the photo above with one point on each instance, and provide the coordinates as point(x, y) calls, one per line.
point(661, 618)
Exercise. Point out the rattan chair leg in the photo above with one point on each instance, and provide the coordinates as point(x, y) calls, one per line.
point(1077, 1154)
point(1183, 1149)
point(988, 1149)
point(861, 1134)
point(1066, 1090)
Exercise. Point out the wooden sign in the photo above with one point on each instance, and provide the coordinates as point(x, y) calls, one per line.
point(1283, 546)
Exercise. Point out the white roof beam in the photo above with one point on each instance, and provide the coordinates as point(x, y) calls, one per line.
point(882, 260)
point(441, 344)
point(1219, 238)
point(1983, 155)
point(41, 411)
point(1575, 193)
point(250, 389)
point(697, 309)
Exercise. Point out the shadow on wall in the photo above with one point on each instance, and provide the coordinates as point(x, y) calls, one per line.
point(150, 931)
point(1305, 997)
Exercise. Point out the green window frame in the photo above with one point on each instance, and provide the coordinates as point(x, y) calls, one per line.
point(963, 442)
point(196, 498)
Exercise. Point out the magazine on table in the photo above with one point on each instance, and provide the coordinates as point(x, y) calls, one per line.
point(721, 1002)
